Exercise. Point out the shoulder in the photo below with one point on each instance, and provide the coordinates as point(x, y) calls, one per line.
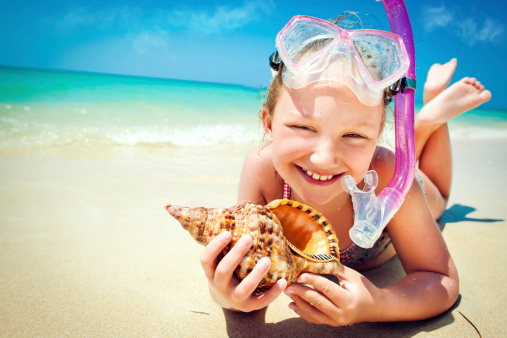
point(384, 163)
point(260, 182)
point(259, 164)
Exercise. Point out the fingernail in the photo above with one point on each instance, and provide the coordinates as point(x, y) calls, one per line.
point(226, 235)
point(282, 283)
point(245, 240)
point(264, 262)
point(293, 307)
point(303, 278)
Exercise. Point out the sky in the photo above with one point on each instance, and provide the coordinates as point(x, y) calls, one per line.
point(230, 41)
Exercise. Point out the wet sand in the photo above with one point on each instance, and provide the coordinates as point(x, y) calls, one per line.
point(88, 249)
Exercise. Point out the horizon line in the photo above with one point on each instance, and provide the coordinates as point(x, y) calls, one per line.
point(263, 88)
point(61, 70)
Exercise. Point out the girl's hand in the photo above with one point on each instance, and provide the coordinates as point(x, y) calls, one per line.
point(355, 300)
point(225, 289)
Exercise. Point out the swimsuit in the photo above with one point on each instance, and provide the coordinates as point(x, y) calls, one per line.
point(354, 255)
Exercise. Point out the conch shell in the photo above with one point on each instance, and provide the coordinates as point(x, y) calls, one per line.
point(296, 237)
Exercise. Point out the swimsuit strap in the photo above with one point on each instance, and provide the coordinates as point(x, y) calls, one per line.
point(286, 191)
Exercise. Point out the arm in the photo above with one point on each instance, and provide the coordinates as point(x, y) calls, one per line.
point(259, 183)
point(431, 285)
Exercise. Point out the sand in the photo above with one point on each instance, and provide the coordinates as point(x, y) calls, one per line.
point(86, 247)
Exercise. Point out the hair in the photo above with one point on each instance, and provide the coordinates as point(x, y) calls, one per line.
point(273, 92)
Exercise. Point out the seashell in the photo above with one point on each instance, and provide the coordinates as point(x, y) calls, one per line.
point(296, 237)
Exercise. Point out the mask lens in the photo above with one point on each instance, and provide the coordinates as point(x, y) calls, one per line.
point(303, 41)
point(381, 56)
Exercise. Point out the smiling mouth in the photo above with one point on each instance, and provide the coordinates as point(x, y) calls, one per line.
point(318, 177)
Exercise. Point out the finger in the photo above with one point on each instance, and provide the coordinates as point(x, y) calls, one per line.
point(252, 280)
point(348, 277)
point(269, 296)
point(210, 253)
point(322, 284)
point(309, 312)
point(312, 296)
point(231, 260)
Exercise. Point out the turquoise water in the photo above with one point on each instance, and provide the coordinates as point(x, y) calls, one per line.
point(48, 108)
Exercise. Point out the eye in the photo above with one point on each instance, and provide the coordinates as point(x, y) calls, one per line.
point(353, 135)
point(303, 127)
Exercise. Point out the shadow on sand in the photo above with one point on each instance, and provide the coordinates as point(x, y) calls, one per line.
point(254, 324)
point(459, 212)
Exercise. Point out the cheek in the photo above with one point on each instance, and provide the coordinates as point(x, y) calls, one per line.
point(287, 149)
point(359, 159)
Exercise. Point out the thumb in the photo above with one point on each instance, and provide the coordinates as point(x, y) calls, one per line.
point(343, 273)
point(347, 276)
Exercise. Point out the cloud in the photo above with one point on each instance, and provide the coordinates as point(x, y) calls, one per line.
point(211, 20)
point(84, 17)
point(470, 30)
point(490, 31)
point(221, 18)
point(148, 31)
point(436, 17)
point(151, 41)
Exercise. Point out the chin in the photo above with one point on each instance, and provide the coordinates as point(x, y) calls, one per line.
point(316, 199)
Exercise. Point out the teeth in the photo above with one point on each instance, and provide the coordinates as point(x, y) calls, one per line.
point(318, 177)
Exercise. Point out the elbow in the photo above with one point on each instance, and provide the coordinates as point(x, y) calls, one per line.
point(452, 286)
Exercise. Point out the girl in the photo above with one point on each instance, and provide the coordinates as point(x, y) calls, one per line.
point(318, 133)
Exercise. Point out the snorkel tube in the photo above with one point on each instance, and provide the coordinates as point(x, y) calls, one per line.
point(372, 213)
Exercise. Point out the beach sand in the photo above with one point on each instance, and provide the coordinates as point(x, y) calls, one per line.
point(88, 249)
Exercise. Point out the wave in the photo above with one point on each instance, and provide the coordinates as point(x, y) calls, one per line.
point(185, 137)
point(17, 134)
point(20, 135)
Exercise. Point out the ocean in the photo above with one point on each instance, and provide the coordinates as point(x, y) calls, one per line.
point(44, 109)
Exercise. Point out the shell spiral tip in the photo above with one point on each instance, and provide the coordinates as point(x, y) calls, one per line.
point(173, 210)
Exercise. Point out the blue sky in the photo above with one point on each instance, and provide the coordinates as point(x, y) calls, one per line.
point(230, 41)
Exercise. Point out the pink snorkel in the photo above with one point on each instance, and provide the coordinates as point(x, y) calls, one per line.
point(372, 213)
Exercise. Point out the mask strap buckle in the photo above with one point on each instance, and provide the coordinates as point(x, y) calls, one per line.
point(402, 84)
point(274, 61)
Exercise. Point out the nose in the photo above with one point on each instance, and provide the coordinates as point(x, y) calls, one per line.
point(325, 154)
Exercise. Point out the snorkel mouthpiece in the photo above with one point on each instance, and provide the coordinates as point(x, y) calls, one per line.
point(371, 213)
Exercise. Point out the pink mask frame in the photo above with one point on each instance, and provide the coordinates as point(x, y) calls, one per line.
point(342, 42)
point(344, 36)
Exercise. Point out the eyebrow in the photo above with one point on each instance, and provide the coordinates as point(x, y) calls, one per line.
point(366, 124)
point(305, 116)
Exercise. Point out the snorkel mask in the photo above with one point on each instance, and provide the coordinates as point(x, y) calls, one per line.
point(367, 61)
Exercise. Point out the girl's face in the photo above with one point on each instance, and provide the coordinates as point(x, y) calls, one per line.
point(319, 134)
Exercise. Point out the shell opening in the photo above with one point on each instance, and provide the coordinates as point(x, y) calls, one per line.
point(302, 230)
